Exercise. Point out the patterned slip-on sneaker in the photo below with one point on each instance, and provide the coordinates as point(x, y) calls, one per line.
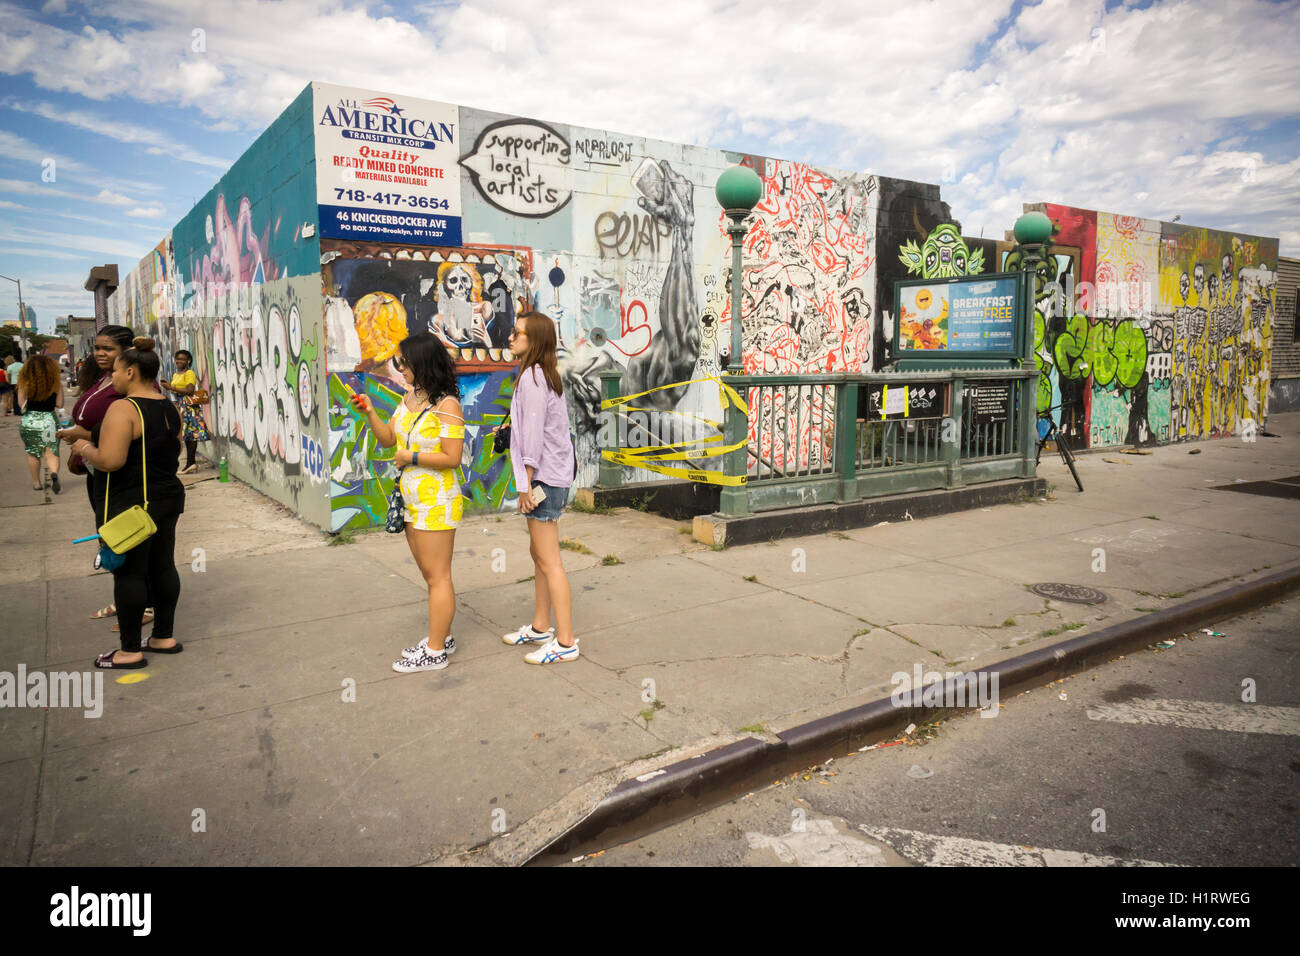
point(411, 653)
point(526, 635)
point(552, 652)
point(425, 662)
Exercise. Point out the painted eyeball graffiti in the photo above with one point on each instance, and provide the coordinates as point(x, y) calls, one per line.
point(930, 261)
point(306, 400)
point(959, 262)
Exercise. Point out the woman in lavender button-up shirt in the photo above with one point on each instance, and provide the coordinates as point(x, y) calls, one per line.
point(541, 454)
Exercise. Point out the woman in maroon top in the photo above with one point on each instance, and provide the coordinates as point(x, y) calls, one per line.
point(97, 394)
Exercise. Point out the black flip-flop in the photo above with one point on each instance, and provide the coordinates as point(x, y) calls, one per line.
point(174, 649)
point(105, 662)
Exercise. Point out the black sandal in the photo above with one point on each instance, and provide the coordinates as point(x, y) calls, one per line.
point(105, 662)
point(174, 649)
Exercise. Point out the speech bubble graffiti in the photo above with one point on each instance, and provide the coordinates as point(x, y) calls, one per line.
point(522, 167)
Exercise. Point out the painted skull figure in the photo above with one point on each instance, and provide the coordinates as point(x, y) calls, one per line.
point(1225, 276)
point(1214, 287)
point(943, 254)
point(462, 315)
point(1198, 279)
point(1184, 285)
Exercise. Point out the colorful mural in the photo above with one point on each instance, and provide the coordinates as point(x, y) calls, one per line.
point(1144, 332)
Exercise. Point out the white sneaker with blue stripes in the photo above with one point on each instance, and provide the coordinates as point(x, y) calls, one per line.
point(552, 652)
point(526, 635)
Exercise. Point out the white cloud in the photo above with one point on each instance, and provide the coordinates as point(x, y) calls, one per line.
point(1141, 111)
point(146, 212)
point(133, 251)
point(158, 143)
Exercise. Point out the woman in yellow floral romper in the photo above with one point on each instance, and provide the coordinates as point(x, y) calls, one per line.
point(428, 429)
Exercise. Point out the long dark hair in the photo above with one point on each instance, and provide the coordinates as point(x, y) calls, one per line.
point(541, 350)
point(90, 371)
point(427, 358)
point(143, 357)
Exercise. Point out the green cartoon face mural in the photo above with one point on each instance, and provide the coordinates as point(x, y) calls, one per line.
point(943, 254)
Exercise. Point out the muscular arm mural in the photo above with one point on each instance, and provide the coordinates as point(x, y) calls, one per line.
point(674, 350)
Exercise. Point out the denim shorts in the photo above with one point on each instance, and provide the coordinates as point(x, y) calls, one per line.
point(549, 510)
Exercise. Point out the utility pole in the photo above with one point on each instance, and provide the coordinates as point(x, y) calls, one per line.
point(22, 320)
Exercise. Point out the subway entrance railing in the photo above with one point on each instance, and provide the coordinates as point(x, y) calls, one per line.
point(814, 439)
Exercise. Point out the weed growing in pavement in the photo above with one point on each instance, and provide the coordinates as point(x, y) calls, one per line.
point(1151, 517)
point(610, 560)
point(752, 578)
point(1069, 626)
point(529, 578)
point(841, 535)
point(569, 544)
point(643, 504)
point(649, 713)
point(342, 537)
point(1009, 622)
point(752, 729)
point(596, 509)
point(719, 546)
point(685, 530)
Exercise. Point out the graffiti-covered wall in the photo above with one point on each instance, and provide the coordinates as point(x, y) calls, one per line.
point(236, 282)
point(453, 221)
point(359, 218)
point(1154, 332)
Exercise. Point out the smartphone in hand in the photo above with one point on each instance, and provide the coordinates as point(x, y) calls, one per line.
point(538, 495)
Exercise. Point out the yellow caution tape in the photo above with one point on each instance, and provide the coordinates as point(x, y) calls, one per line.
point(641, 457)
point(691, 474)
point(884, 402)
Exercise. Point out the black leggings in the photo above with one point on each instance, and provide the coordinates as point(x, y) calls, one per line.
point(148, 576)
point(191, 449)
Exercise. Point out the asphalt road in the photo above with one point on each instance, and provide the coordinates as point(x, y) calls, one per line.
point(1154, 758)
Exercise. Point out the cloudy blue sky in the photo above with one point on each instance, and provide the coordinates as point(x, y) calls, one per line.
point(1157, 108)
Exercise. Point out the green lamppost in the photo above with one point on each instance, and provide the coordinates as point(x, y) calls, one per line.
point(739, 189)
point(1032, 230)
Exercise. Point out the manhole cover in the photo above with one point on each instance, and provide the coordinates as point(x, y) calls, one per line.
point(1074, 593)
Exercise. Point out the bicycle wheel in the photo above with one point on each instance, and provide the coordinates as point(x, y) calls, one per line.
point(1068, 457)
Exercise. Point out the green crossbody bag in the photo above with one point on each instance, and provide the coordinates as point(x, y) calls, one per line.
point(133, 526)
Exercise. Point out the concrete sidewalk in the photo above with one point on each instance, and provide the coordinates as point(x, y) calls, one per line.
point(684, 649)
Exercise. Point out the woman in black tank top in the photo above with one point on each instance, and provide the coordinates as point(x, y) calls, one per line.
point(135, 451)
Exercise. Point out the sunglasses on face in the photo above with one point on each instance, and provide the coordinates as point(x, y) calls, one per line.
point(518, 333)
point(398, 363)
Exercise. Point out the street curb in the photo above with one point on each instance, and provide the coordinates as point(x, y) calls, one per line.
point(637, 806)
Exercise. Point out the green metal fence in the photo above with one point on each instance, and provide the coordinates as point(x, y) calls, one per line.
point(814, 439)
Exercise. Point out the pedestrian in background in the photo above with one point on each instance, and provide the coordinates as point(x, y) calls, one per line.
point(135, 450)
point(40, 392)
point(541, 454)
point(185, 385)
point(428, 428)
point(13, 368)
